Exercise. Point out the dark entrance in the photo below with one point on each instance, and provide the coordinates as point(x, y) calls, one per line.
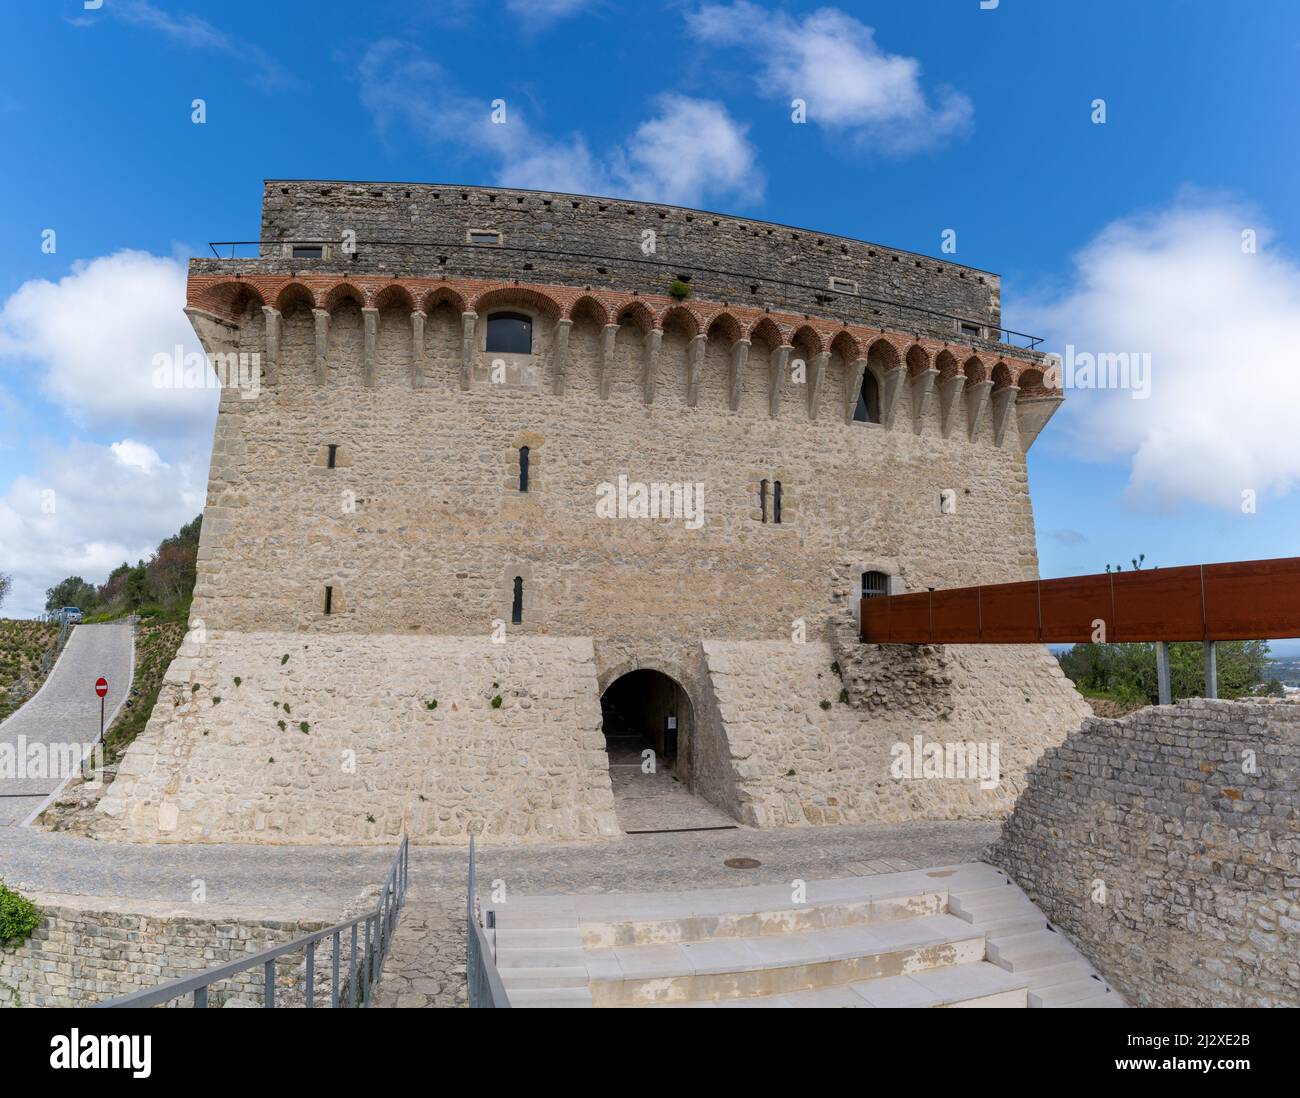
point(642, 710)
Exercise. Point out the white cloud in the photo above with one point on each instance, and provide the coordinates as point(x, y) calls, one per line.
point(832, 62)
point(91, 337)
point(546, 11)
point(1220, 325)
point(691, 151)
point(87, 509)
point(192, 32)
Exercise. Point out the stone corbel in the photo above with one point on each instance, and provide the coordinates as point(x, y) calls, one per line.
point(370, 327)
point(606, 365)
point(694, 368)
point(653, 340)
point(560, 354)
point(322, 318)
point(977, 399)
point(271, 367)
point(467, 321)
point(739, 356)
point(816, 371)
point(889, 394)
point(1004, 403)
point(780, 361)
point(922, 390)
point(417, 348)
point(853, 387)
point(949, 396)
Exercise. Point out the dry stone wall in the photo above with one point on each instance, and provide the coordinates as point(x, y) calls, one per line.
point(88, 951)
point(1167, 846)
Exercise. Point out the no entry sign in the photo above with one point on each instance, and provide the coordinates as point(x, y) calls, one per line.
point(101, 687)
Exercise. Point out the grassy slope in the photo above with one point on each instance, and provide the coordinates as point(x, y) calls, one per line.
point(156, 642)
point(22, 645)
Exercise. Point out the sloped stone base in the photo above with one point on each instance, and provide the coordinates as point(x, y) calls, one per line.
point(288, 738)
point(797, 744)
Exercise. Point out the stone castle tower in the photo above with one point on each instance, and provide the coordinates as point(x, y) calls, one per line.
point(507, 452)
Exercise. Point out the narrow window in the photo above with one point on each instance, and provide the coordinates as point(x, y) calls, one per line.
point(970, 330)
point(484, 236)
point(329, 600)
point(307, 251)
point(762, 497)
point(510, 334)
point(874, 584)
point(843, 285)
point(523, 468)
point(517, 607)
point(868, 409)
point(776, 501)
point(333, 456)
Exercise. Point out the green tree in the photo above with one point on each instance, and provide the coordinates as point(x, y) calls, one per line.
point(73, 591)
point(6, 582)
point(1128, 671)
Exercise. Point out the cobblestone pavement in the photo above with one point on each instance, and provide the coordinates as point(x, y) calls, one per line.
point(65, 710)
point(658, 801)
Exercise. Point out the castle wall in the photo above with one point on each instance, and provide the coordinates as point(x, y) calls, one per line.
point(582, 241)
point(1165, 845)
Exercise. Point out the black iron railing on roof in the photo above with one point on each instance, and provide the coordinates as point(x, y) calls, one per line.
point(823, 294)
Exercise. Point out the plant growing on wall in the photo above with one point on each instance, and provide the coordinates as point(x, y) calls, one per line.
point(679, 289)
point(18, 916)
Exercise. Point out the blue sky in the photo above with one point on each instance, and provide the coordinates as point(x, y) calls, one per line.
point(922, 116)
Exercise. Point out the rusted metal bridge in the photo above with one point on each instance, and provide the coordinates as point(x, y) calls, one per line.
point(1240, 600)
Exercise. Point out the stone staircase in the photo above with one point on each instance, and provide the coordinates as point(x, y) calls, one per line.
point(957, 936)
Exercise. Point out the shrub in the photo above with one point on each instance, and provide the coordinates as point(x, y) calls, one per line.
point(679, 289)
point(18, 916)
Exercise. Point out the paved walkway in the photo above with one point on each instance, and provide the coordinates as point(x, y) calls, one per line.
point(65, 710)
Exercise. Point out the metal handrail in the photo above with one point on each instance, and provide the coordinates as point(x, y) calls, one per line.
point(1032, 341)
point(379, 928)
point(482, 980)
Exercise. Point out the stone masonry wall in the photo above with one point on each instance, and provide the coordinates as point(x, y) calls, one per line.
point(88, 951)
point(581, 240)
point(1167, 846)
point(357, 738)
point(799, 752)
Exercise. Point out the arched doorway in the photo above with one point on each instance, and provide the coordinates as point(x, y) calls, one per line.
point(649, 725)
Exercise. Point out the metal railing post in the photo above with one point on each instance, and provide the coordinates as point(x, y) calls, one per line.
point(311, 973)
point(201, 997)
point(334, 982)
point(268, 992)
point(1211, 669)
point(1162, 673)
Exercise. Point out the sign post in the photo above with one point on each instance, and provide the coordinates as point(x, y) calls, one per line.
point(101, 688)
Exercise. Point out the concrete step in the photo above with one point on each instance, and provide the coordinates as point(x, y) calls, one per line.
point(547, 976)
point(975, 984)
point(1066, 994)
point(778, 964)
point(552, 997)
point(520, 937)
point(1037, 949)
point(1040, 979)
point(530, 957)
point(1012, 926)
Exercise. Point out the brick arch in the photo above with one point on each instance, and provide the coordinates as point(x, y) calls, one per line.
point(810, 336)
point(440, 295)
point(230, 299)
point(974, 370)
point(1002, 376)
point(341, 292)
point(294, 294)
point(1033, 382)
point(884, 355)
point(917, 359)
point(590, 306)
point(726, 325)
point(637, 313)
point(946, 363)
point(848, 345)
point(395, 296)
point(680, 315)
point(766, 330)
point(506, 296)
